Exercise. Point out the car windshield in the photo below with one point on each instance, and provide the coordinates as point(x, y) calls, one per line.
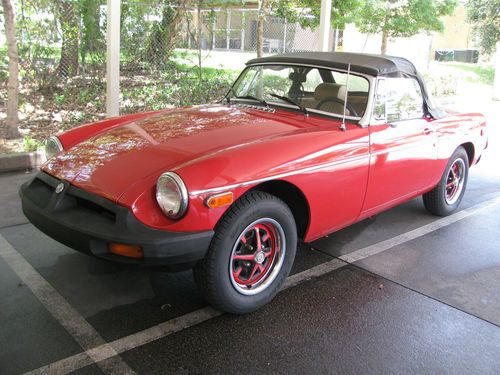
point(315, 89)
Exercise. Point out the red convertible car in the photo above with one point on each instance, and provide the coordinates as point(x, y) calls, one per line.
point(302, 145)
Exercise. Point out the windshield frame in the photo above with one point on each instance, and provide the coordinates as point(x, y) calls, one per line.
point(363, 120)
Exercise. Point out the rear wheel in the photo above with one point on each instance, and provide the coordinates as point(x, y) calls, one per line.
point(250, 256)
point(446, 197)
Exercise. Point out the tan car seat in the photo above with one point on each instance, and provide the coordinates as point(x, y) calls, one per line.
point(326, 91)
point(330, 91)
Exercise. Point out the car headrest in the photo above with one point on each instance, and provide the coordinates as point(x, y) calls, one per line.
point(330, 90)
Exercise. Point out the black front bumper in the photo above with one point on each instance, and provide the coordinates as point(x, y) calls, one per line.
point(89, 223)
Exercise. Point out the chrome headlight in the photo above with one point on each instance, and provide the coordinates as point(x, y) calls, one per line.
point(53, 147)
point(172, 195)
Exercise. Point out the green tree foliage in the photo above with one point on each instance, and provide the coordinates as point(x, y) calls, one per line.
point(485, 17)
point(164, 32)
point(343, 12)
point(306, 13)
point(78, 25)
point(93, 33)
point(402, 18)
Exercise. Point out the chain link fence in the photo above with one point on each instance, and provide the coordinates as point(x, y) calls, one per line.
point(60, 40)
point(62, 54)
point(152, 33)
point(171, 55)
point(170, 52)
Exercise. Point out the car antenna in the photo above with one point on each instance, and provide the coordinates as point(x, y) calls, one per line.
point(342, 126)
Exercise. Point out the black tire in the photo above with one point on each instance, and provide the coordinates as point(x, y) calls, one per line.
point(214, 274)
point(437, 201)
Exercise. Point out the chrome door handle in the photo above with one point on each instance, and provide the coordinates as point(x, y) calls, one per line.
point(428, 131)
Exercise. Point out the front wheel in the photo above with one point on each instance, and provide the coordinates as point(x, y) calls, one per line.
point(445, 198)
point(250, 256)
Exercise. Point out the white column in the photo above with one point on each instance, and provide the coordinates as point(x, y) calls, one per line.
point(324, 25)
point(113, 58)
point(213, 30)
point(243, 25)
point(496, 83)
point(284, 36)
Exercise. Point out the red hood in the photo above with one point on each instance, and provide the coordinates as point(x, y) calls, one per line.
point(110, 162)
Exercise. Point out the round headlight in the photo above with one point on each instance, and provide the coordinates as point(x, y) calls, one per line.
point(53, 147)
point(172, 195)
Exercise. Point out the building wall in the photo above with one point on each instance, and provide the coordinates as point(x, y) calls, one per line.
point(457, 32)
point(416, 49)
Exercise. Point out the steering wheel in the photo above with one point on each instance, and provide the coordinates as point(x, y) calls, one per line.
point(351, 109)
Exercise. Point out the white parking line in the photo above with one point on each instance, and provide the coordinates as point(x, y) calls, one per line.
point(76, 325)
point(419, 232)
point(106, 351)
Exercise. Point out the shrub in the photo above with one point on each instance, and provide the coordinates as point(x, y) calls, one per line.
point(31, 145)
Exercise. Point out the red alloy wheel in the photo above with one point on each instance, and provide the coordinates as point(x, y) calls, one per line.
point(257, 256)
point(455, 181)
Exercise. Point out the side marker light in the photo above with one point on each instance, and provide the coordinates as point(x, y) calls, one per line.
point(219, 200)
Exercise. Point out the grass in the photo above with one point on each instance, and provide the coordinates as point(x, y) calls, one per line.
point(480, 73)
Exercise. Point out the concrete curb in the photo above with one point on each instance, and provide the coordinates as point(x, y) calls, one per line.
point(21, 161)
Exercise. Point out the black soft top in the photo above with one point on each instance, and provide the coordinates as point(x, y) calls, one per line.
point(375, 65)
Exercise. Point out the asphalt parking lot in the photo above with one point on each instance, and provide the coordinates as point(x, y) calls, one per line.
point(403, 292)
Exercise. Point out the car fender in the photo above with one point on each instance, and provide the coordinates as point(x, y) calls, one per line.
point(468, 130)
point(330, 169)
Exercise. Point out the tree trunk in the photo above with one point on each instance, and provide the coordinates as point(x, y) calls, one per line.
point(165, 33)
point(13, 84)
point(199, 20)
point(92, 40)
point(68, 63)
point(260, 28)
point(383, 47)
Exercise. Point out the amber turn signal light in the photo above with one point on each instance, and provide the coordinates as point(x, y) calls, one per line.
point(131, 251)
point(219, 200)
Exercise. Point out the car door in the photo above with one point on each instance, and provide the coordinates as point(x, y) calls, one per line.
point(402, 145)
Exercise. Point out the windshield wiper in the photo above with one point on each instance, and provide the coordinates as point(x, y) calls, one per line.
point(261, 101)
point(291, 101)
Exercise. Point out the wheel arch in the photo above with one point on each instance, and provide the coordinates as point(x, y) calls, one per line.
point(470, 150)
point(293, 197)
